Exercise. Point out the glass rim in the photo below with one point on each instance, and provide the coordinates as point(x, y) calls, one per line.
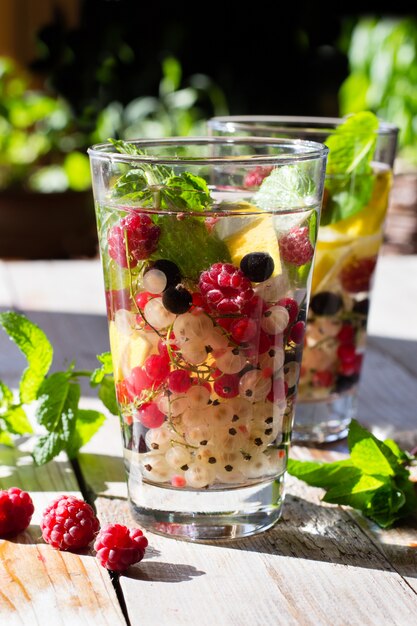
point(303, 150)
point(308, 124)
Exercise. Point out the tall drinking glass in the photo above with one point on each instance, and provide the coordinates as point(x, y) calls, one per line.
point(358, 181)
point(205, 321)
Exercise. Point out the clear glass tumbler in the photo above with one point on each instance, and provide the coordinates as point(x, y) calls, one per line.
point(206, 323)
point(357, 185)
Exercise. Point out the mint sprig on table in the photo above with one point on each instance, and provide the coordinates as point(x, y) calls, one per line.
point(375, 479)
point(55, 396)
point(349, 177)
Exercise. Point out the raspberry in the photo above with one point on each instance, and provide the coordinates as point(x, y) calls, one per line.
point(356, 276)
point(16, 509)
point(225, 288)
point(142, 239)
point(118, 547)
point(255, 177)
point(69, 523)
point(295, 246)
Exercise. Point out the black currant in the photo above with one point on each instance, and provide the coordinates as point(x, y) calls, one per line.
point(326, 303)
point(177, 299)
point(257, 266)
point(361, 307)
point(171, 271)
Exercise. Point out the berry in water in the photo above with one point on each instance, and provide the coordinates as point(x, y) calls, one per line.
point(326, 303)
point(356, 276)
point(255, 177)
point(295, 246)
point(225, 288)
point(150, 416)
point(243, 330)
point(156, 368)
point(257, 266)
point(154, 281)
point(292, 307)
point(179, 381)
point(16, 509)
point(171, 271)
point(227, 386)
point(136, 233)
point(177, 299)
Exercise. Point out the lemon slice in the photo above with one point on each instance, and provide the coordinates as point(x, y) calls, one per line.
point(128, 350)
point(256, 236)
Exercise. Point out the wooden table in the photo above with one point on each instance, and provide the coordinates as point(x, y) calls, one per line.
point(321, 565)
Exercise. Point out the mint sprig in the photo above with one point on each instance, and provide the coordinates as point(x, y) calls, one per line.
point(375, 479)
point(349, 178)
point(55, 396)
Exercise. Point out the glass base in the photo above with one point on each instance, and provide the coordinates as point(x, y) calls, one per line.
point(206, 515)
point(323, 421)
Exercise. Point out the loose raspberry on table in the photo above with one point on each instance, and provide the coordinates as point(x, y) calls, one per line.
point(16, 510)
point(295, 246)
point(356, 276)
point(225, 288)
point(69, 523)
point(142, 239)
point(118, 547)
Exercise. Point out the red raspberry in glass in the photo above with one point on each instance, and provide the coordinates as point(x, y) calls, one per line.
point(227, 385)
point(346, 353)
point(16, 510)
point(225, 288)
point(323, 378)
point(118, 547)
point(356, 275)
point(157, 368)
point(69, 523)
point(243, 330)
point(138, 234)
point(179, 381)
point(117, 299)
point(295, 246)
point(255, 177)
point(346, 334)
point(150, 416)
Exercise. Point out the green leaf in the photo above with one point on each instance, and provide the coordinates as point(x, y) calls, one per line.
point(34, 344)
point(5, 439)
point(87, 424)
point(106, 368)
point(77, 169)
point(17, 421)
point(355, 492)
point(6, 395)
point(385, 504)
point(288, 186)
point(370, 454)
point(202, 250)
point(107, 395)
point(349, 178)
point(58, 404)
point(325, 475)
point(47, 447)
point(186, 191)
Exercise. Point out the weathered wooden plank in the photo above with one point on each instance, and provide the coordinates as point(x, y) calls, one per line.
point(40, 585)
point(316, 567)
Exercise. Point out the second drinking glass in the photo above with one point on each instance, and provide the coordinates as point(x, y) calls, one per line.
point(357, 185)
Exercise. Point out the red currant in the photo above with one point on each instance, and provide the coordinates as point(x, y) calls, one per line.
point(346, 353)
point(346, 334)
point(297, 332)
point(227, 386)
point(323, 378)
point(292, 307)
point(179, 381)
point(243, 330)
point(150, 416)
point(157, 367)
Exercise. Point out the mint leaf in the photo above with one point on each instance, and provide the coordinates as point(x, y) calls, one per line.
point(349, 178)
point(17, 421)
point(47, 447)
point(288, 186)
point(370, 454)
point(5, 439)
point(34, 344)
point(6, 395)
point(106, 368)
point(58, 404)
point(325, 475)
point(373, 480)
point(189, 244)
point(107, 395)
point(87, 424)
point(187, 192)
